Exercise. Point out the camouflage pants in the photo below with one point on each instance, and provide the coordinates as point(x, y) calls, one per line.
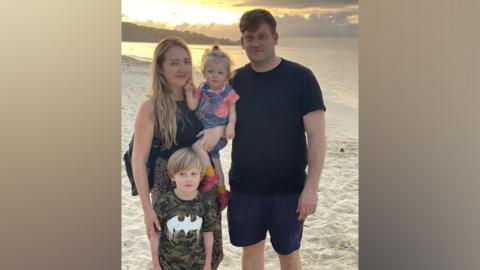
point(162, 184)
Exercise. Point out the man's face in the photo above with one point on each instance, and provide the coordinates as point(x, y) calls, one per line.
point(260, 45)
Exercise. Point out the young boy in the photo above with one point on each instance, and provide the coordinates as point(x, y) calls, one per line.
point(186, 217)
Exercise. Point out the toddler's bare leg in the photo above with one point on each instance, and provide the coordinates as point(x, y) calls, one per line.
point(219, 171)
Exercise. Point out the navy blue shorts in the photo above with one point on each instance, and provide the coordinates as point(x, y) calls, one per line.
point(250, 216)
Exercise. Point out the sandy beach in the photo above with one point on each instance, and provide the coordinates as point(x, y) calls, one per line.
point(330, 237)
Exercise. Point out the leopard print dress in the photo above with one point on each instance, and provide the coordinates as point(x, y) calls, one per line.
point(162, 184)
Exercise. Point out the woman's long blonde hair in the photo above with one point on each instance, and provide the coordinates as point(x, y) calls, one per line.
point(165, 108)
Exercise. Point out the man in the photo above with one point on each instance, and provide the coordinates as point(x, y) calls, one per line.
point(279, 102)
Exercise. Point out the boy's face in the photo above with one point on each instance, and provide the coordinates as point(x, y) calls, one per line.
point(187, 181)
point(260, 45)
point(216, 74)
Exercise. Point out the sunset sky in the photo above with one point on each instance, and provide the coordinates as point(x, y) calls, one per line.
point(302, 18)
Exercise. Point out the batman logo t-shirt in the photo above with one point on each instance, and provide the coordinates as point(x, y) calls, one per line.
point(183, 223)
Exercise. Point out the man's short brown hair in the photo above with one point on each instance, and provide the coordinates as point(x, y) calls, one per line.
point(251, 20)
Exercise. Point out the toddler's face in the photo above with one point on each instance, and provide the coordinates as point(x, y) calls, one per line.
point(216, 74)
point(187, 180)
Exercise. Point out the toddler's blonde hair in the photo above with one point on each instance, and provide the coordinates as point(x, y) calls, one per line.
point(215, 54)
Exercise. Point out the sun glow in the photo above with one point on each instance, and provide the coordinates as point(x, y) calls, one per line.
point(176, 13)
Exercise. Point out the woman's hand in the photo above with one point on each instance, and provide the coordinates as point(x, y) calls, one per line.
point(152, 225)
point(210, 137)
point(207, 266)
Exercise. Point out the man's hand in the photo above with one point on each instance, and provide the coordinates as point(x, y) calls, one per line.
point(307, 203)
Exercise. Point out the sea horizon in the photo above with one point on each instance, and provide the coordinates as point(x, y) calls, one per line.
point(336, 69)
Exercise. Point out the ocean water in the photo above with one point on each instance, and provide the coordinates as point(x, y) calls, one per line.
point(336, 69)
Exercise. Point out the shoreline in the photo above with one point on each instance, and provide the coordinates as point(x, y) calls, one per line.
point(346, 117)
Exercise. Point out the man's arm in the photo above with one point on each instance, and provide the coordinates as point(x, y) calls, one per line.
point(314, 123)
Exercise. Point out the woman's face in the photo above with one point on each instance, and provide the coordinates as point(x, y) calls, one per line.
point(177, 67)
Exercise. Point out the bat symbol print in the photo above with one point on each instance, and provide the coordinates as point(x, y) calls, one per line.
point(175, 226)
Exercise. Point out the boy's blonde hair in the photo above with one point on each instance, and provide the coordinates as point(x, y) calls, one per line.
point(184, 159)
point(215, 54)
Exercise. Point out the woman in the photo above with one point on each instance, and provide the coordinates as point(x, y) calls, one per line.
point(165, 115)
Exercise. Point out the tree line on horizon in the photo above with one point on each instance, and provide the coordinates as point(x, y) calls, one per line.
point(138, 33)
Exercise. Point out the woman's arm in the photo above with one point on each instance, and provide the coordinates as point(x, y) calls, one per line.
point(208, 244)
point(143, 135)
point(232, 119)
point(210, 137)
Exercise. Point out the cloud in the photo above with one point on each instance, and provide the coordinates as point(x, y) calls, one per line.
point(338, 24)
point(299, 4)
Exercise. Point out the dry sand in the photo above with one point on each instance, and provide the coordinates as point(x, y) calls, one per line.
point(330, 238)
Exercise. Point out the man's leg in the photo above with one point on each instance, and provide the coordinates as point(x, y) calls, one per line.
point(286, 231)
point(246, 227)
point(253, 256)
point(291, 261)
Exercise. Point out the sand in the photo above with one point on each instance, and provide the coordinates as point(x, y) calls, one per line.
point(330, 238)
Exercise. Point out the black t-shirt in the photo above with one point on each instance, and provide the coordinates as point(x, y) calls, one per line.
point(188, 126)
point(269, 151)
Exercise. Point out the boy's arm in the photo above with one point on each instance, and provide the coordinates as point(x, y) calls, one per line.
point(207, 227)
point(208, 244)
point(191, 96)
point(232, 119)
point(154, 245)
